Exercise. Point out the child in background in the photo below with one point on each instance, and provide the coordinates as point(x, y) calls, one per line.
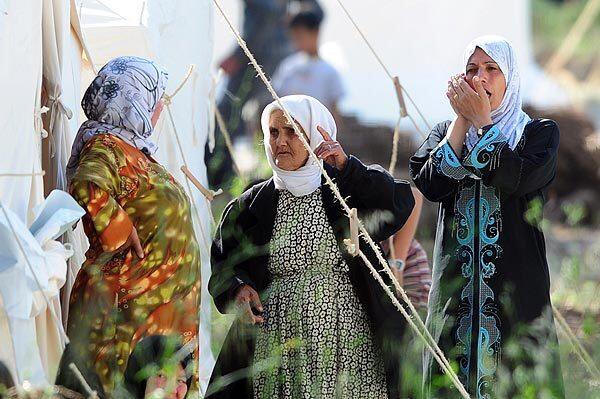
point(304, 72)
point(408, 259)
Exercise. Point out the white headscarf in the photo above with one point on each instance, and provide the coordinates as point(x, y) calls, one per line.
point(309, 113)
point(509, 116)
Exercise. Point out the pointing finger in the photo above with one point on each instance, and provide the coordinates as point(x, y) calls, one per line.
point(324, 133)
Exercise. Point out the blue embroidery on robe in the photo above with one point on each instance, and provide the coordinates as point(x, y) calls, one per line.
point(489, 335)
point(447, 163)
point(488, 345)
point(489, 145)
point(465, 235)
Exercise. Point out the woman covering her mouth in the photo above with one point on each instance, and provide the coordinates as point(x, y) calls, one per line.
point(490, 296)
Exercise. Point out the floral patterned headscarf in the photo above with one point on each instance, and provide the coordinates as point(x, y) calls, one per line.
point(121, 101)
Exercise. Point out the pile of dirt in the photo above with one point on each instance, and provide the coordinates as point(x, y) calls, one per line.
point(372, 143)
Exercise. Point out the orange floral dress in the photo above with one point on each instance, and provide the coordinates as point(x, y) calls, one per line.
point(119, 298)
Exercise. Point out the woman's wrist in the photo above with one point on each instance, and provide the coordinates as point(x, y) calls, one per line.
point(462, 121)
point(479, 123)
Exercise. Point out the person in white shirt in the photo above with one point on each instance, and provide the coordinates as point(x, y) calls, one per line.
point(304, 72)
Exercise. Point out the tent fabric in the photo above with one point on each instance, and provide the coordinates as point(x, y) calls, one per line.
point(28, 281)
point(36, 42)
point(62, 47)
point(20, 80)
point(20, 133)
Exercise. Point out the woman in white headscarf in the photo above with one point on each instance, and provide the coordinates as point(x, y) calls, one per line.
point(313, 323)
point(489, 169)
point(141, 274)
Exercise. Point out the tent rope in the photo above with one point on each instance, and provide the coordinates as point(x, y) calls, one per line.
point(576, 344)
point(41, 173)
point(385, 68)
point(227, 138)
point(573, 38)
point(91, 393)
point(189, 187)
point(429, 341)
point(395, 140)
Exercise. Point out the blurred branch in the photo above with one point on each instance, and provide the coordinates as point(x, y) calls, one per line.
point(573, 38)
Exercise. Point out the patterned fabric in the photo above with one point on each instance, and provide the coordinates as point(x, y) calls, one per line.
point(478, 226)
point(478, 211)
point(316, 331)
point(485, 153)
point(416, 278)
point(121, 101)
point(119, 298)
point(447, 162)
point(509, 116)
point(309, 113)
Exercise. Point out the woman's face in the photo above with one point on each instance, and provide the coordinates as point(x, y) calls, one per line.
point(493, 80)
point(288, 151)
point(171, 385)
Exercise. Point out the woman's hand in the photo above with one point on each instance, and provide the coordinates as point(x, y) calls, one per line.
point(246, 298)
point(473, 105)
point(133, 242)
point(450, 92)
point(331, 151)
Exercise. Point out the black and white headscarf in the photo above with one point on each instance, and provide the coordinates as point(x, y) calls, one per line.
point(121, 101)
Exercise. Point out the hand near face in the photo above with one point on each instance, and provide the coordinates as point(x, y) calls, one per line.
point(331, 151)
point(472, 104)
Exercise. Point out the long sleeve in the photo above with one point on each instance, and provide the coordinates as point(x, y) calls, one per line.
point(95, 186)
point(516, 172)
point(435, 168)
point(230, 252)
point(383, 202)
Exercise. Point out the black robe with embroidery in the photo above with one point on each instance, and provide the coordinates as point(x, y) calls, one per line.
point(489, 305)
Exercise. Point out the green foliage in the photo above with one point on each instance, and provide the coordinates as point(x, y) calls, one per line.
point(551, 22)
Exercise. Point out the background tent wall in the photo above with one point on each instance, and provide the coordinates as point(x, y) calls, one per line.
point(20, 134)
point(35, 41)
point(20, 119)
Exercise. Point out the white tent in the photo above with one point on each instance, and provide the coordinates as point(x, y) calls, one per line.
point(38, 43)
point(176, 34)
point(419, 41)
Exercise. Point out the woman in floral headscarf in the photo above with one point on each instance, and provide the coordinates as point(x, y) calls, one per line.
point(141, 276)
point(490, 296)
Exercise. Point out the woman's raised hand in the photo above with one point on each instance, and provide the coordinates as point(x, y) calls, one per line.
point(473, 105)
point(331, 151)
point(246, 299)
